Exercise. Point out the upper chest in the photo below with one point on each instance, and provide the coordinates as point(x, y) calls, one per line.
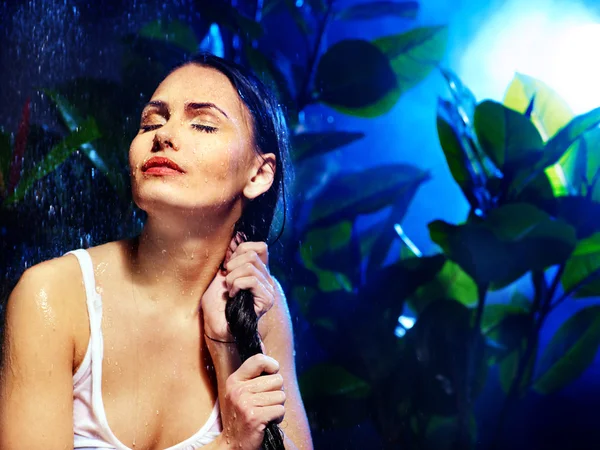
point(157, 384)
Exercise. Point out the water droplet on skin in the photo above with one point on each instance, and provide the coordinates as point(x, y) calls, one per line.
point(206, 180)
point(116, 363)
point(157, 412)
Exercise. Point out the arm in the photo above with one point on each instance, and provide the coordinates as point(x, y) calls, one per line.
point(277, 336)
point(275, 328)
point(36, 386)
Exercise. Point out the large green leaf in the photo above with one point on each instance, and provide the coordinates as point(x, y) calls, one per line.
point(441, 343)
point(72, 120)
point(332, 248)
point(348, 195)
point(571, 351)
point(442, 431)
point(581, 212)
point(368, 92)
point(88, 131)
point(451, 282)
point(507, 137)
point(230, 17)
point(329, 379)
point(558, 145)
point(464, 99)
point(581, 163)
point(495, 313)
point(583, 268)
point(513, 240)
point(550, 112)
point(377, 9)
point(174, 31)
point(307, 145)
point(274, 70)
point(510, 365)
point(387, 234)
point(456, 158)
point(414, 54)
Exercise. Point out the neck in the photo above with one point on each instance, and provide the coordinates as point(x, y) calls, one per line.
point(175, 265)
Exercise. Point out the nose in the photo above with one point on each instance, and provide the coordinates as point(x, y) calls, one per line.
point(163, 139)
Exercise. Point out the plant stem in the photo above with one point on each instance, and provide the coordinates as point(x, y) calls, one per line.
point(592, 276)
point(473, 358)
point(541, 301)
point(305, 97)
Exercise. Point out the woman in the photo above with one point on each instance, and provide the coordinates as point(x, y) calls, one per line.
point(127, 345)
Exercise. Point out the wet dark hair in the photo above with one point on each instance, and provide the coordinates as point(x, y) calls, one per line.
point(270, 136)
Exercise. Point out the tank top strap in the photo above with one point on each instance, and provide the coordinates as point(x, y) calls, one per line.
point(93, 299)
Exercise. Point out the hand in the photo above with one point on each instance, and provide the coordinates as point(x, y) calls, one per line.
point(251, 401)
point(246, 267)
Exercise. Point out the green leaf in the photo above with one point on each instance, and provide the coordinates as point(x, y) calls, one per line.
point(464, 100)
point(414, 54)
point(584, 264)
point(228, 16)
point(72, 120)
point(87, 132)
point(550, 112)
point(348, 195)
point(5, 157)
point(368, 92)
point(332, 380)
point(507, 137)
point(442, 431)
point(495, 313)
point(377, 9)
point(510, 365)
point(441, 345)
point(97, 96)
point(307, 145)
point(571, 351)
point(581, 162)
point(558, 145)
point(387, 233)
point(514, 239)
point(174, 31)
point(272, 70)
point(455, 156)
point(331, 248)
point(451, 282)
point(580, 212)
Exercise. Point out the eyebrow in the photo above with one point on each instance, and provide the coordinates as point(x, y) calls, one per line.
point(191, 106)
point(195, 106)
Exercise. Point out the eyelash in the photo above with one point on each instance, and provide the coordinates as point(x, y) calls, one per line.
point(204, 128)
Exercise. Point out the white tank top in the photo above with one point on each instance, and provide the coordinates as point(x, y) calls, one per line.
point(90, 426)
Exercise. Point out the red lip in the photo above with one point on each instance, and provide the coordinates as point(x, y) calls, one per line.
point(161, 161)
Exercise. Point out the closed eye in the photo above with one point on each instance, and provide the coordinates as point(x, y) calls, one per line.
point(145, 128)
point(204, 128)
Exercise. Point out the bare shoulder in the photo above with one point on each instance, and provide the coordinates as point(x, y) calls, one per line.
point(48, 288)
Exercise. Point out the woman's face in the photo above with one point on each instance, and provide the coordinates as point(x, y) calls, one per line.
point(194, 150)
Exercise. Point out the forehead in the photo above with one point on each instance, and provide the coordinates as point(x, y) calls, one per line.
point(194, 83)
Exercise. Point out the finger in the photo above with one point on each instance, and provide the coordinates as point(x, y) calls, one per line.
point(266, 383)
point(258, 288)
point(268, 398)
point(248, 270)
point(256, 365)
point(260, 248)
point(273, 413)
point(250, 257)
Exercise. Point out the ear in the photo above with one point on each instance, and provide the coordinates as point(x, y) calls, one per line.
point(261, 176)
